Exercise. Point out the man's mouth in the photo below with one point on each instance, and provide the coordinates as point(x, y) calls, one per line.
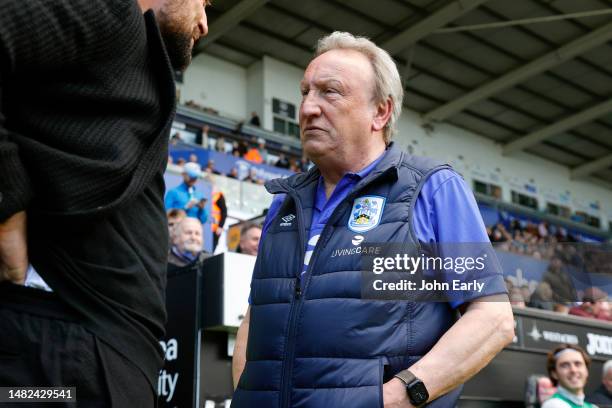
point(313, 128)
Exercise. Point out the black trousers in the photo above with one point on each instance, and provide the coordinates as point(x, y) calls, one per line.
point(43, 344)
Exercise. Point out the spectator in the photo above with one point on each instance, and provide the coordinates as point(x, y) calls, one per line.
point(176, 138)
point(220, 144)
point(204, 138)
point(202, 211)
point(188, 245)
point(239, 149)
point(560, 282)
point(181, 162)
point(538, 389)
point(304, 164)
point(193, 158)
point(603, 394)
point(186, 196)
point(543, 229)
point(591, 306)
point(175, 216)
point(561, 308)
point(293, 166)
point(257, 154)
point(252, 177)
point(233, 173)
point(546, 389)
point(542, 297)
point(263, 152)
point(568, 369)
point(254, 121)
point(282, 161)
point(249, 239)
point(210, 167)
point(219, 214)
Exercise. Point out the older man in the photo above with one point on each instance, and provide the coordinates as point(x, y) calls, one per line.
point(87, 100)
point(188, 243)
point(603, 395)
point(313, 340)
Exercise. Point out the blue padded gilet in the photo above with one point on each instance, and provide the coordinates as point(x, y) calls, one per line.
point(325, 347)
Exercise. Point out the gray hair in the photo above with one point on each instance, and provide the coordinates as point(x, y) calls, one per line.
point(607, 366)
point(387, 82)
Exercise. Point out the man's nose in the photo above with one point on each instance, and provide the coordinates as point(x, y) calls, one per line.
point(309, 106)
point(203, 25)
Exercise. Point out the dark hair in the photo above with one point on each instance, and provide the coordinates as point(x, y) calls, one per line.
point(176, 212)
point(551, 359)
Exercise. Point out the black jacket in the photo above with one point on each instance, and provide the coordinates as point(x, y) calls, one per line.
point(86, 103)
point(85, 108)
point(601, 397)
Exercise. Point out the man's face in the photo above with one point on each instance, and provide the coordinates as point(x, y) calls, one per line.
point(337, 103)
point(607, 380)
point(189, 236)
point(571, 371)
point(249, 242)
point(173, 221)
point(182, 23)
point(189, 181)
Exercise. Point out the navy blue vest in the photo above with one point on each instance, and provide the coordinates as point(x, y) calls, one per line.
point(324, 346)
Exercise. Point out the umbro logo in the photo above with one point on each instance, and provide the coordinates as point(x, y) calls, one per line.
point(287, 220)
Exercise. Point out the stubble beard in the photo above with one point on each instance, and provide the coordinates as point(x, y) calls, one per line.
point(177, 39)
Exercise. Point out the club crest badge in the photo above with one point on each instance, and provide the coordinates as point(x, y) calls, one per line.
point(366, 213)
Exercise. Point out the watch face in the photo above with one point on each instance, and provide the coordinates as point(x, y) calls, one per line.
point(418, 393)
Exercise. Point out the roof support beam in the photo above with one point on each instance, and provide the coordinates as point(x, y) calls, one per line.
point(556, 128)
point(440, 18)
point(229, 20)
point(591, 167)
point(545, 62)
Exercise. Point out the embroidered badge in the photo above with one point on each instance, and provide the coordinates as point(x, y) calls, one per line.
point(366, 213)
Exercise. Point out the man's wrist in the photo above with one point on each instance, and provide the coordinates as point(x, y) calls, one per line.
point(415, 388)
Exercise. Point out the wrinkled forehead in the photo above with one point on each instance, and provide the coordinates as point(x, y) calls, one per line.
point(188, 226)
point(347, 66)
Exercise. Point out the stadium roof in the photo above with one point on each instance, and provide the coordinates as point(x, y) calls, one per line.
point(532, 75)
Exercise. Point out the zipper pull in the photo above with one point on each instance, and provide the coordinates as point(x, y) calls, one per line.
point(298, 289)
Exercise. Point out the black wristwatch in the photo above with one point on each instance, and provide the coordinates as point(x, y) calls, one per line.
point(416, 390)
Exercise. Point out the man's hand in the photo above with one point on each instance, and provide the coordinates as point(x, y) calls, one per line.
point(13, 249)
point(191, 203)
point(394, 394)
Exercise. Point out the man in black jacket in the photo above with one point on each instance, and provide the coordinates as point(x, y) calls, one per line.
point(86, 104)
point(602, 396)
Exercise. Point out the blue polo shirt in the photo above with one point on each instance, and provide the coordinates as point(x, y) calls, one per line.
point(179, 196)
point(445, 210)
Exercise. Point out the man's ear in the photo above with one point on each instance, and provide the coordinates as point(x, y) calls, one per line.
point(382, 115)
point(554, 375)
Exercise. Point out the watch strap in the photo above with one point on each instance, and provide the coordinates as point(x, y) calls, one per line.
point(406, 376)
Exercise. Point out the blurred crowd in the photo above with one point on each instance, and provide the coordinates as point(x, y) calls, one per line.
point(566, 257)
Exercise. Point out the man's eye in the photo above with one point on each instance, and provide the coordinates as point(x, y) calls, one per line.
point(330, 90)
point(304, 92)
